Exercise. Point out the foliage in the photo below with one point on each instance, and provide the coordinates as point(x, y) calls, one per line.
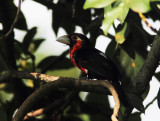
point(117, 9)
point(128, 48)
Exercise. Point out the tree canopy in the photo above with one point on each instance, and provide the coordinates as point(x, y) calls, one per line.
point(128, 48)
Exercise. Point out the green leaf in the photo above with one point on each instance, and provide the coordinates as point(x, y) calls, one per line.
point(130, 58)
point(35, 44)
point(110, 15)
point(97, 3)
point(5, 96)
point(28, 83)
point(130, 55)
point(68, 72)
point(158, 5)
point(154, 0)
point(29, 37)
point(122, 33)
point(124, 14)
point(139, 5)
point(130, 66)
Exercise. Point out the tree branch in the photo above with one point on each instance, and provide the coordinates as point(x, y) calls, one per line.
point(56, 83)
point(145, 74)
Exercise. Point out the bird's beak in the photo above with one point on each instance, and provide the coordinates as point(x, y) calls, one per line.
point(64, 39)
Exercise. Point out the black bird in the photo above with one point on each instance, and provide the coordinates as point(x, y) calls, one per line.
point(99, 66)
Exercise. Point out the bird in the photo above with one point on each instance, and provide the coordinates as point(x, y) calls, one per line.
point(95, 64)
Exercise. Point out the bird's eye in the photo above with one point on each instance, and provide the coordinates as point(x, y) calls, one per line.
point(73, 37)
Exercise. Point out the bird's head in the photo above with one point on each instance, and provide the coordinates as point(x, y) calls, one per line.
point(75, 39)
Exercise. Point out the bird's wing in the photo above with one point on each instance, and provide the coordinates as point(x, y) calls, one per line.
point(96, 62)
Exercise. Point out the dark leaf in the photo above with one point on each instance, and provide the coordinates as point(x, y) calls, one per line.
point(128, 67)
point(135, 117)
point(62, 17)
point(48, 3)
point(94, 109)
point(155, 13)
point(35, 44)
point(135, 102)
point(53, 63)
point(83, 17)
point(3, 114)
point(136, 41)
point(28, 38)
point(73, 118)
point(129, 58)
point(18, 49)
point(158, 98)
point(101, 102)
point(131, 55)
point(18, 54)
point(111, 49)
point(10, 11)
point(21, 22)
point(101, 99)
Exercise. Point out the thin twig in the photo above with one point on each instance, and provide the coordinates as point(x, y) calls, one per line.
point(34, 113)
point(146, 22)
point(150, 102)
point(14, 22)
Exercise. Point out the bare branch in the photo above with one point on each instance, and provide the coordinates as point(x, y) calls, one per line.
point(62, 102)
point(35, 113)
point(57, 83)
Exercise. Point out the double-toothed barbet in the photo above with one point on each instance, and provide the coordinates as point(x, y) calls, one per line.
point(98, 65)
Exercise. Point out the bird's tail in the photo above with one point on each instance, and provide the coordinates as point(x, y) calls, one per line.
point(128, 99)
